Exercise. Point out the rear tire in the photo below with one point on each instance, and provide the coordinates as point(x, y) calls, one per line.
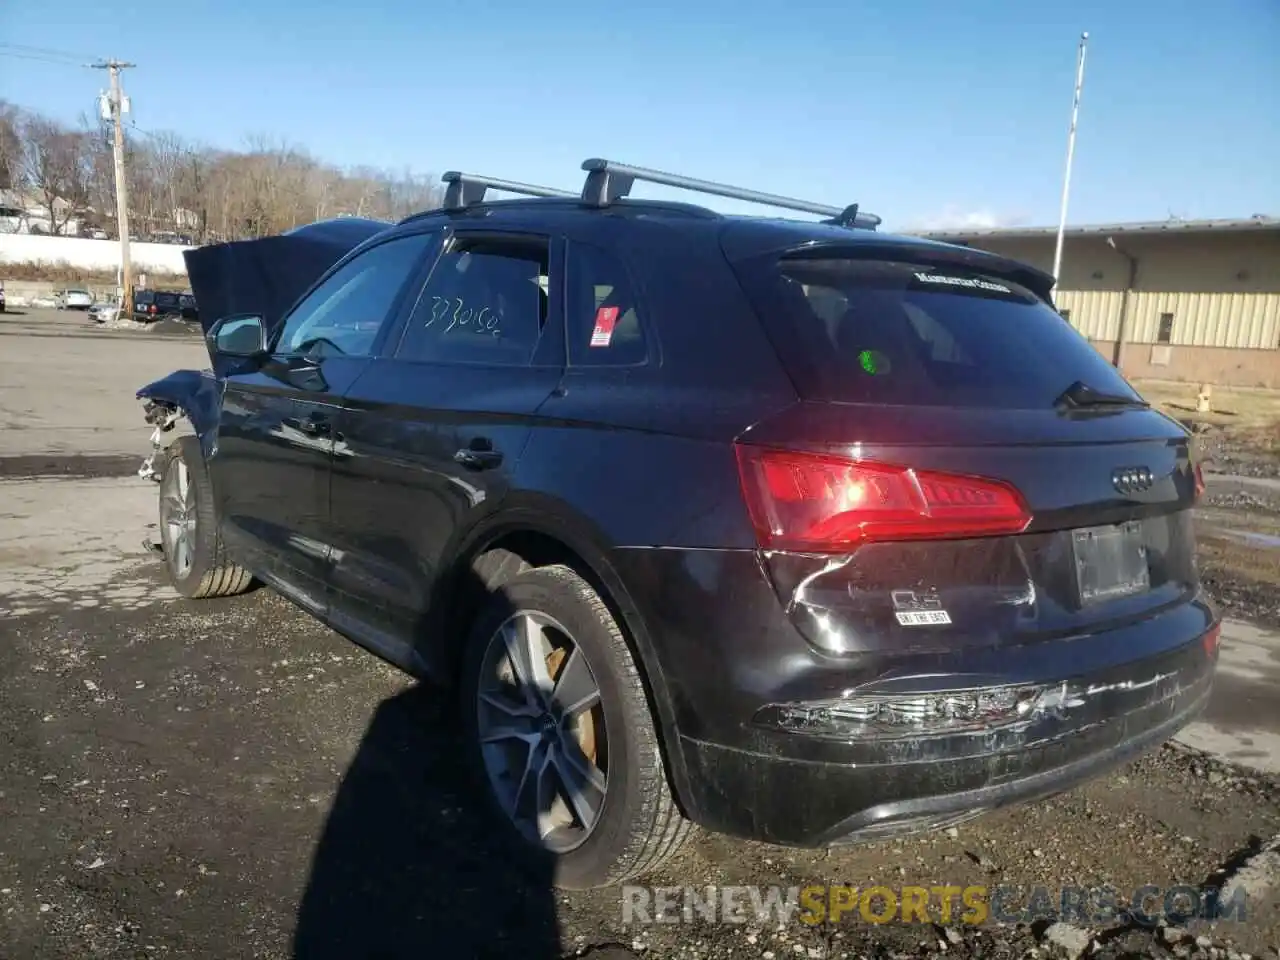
point(189, 531)
point(602, 826)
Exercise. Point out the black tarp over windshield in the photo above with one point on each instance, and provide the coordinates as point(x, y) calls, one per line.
point(267, 276)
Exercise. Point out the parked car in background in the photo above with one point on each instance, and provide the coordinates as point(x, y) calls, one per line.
point(1, 296)
point(105, 312)
point(189, 309)
point(73, 298)
point(151, 305)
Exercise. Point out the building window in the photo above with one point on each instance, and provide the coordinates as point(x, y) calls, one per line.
point(1066, 315)
point(1166, 328)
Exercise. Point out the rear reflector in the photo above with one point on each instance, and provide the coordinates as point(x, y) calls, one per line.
point(1212, 638)
point(821, 503)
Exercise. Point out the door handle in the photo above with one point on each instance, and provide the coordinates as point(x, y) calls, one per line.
point(478, 459)
point(315, 426)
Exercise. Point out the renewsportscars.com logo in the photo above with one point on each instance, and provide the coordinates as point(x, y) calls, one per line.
point(940, 904)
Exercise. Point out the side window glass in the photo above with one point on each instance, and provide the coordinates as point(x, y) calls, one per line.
point(342, 316)
point(485, 302)
point(605, 326)
point(604, 321)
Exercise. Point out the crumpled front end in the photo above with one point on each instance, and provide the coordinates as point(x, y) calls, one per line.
point(184, 394)
point(264, 277)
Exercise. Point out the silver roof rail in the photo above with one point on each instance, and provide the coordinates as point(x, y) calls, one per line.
point(608, 181)
point(467, 189)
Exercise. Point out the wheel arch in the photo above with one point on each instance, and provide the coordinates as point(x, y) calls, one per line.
point(197, 394)
point(542, 532)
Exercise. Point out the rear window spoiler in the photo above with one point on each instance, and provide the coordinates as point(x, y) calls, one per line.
point(926, 253)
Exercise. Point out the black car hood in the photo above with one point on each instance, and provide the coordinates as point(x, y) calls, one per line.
point(267, 276)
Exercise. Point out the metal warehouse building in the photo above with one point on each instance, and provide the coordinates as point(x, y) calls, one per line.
point(1194, 300)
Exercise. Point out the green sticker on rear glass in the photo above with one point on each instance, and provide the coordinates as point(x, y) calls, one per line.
point(873, 362)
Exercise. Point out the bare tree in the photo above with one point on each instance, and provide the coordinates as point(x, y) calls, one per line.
point(100, 173)
point(11, 165)
point(209, 195)
point(54, 166)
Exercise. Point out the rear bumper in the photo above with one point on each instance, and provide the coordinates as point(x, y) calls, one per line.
point(734, 669)
point(908, 785)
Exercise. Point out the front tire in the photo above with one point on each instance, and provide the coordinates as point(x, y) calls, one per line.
point(560, 734)
point(189, 531)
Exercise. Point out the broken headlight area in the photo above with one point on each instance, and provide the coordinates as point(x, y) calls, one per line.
point(162, 416)
point(897, 716)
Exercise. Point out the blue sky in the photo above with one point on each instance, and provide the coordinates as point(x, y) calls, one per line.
point(928, 113)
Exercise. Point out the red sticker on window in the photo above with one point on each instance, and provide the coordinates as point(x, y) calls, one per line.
point(606, 317)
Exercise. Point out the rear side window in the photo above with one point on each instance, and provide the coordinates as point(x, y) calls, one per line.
point(874, 331)
point(605, 323)
point(485, 302)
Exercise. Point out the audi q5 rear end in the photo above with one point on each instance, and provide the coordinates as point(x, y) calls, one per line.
point(796, 531)
point(972, 579)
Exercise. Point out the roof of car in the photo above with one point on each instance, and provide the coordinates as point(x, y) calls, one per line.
point(741, 236)
point(559, 212)
point(746, 233)
point(605, 199)
point(607, 193)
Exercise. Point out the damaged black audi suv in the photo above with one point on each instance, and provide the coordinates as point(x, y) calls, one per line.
point(790, 529)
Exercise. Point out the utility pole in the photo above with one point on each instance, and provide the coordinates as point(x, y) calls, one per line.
point(1071, 149)
point(115, 106)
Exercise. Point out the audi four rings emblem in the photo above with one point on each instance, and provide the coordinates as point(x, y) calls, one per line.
point(1133, 479)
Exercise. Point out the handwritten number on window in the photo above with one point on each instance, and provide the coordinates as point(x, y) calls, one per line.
point(460, 315)
point(439, 307)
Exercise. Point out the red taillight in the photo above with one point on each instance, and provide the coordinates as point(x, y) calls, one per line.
point(151, 309)
point(1212, 638)
point(1199, 480)
point(808, 501)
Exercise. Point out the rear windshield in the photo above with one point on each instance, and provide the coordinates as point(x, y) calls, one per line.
point(874, 331)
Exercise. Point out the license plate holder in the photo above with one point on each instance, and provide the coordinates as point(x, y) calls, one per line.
point(1110, 562)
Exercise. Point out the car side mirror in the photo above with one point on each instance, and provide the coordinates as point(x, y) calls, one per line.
point(239, 335)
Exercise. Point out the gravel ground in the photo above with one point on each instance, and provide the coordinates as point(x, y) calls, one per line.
point(231, 779)
point(1251, 450)
point(1238, 531)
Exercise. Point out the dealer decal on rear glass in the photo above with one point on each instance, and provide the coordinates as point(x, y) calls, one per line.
point(971, 283)
point(919, 609)
point(606, 318)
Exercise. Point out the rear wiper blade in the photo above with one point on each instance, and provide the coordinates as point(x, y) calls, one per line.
point(1080, 395)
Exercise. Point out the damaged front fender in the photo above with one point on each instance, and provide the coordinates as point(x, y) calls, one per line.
point(194, 394)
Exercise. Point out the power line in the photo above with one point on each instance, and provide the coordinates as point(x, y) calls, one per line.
point(28, 51)
point(40, 59)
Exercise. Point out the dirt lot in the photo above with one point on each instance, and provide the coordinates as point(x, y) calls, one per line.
point(1239, 434)
point(1239, 441)
point(228, 778)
